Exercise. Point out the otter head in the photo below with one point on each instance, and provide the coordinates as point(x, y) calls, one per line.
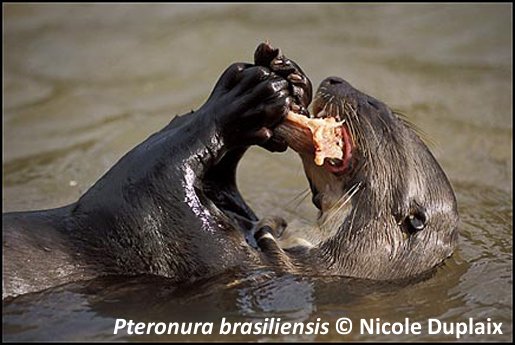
point(387, 210)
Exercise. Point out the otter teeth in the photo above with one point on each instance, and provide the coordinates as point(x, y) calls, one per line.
point(334, 162)
point(322, 114)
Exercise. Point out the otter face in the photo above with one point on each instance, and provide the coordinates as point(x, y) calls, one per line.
point(387, 210)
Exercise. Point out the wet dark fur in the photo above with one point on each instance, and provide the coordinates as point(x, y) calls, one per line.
point(170, 206)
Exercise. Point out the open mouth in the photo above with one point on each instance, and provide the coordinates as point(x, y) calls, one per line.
point(324, 135)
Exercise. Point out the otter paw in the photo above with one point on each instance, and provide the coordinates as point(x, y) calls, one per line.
point(274, 224)
point(271, 251)
point(300, 86)
point(247, 103)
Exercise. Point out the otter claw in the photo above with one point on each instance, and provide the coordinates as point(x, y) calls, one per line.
point(294, 77)
point(300, 85)
point(282, 66)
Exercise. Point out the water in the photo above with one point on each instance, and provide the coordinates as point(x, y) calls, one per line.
point(83, 84)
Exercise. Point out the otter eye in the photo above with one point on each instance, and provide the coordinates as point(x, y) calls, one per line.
point(416, 222)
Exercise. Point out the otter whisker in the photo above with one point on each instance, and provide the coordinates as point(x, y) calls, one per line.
point(349, 194)
point(299, 198)
point(385, 127)
point(378, 142)
point(354, 213)
point(326, 96)
point(354, 114)
point(351, 115)
point(335, 212)
point(349, 121)
point(333, 107)
point(338, 113)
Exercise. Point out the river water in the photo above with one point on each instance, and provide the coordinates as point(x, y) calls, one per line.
point(83, 84)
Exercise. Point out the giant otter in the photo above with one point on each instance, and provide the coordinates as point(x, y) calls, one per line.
point(171, 206)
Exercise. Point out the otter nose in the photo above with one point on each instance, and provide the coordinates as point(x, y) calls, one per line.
point(334, 80)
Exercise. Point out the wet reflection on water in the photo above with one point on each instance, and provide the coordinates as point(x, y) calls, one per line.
point(256, 296)
point(83, 84)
